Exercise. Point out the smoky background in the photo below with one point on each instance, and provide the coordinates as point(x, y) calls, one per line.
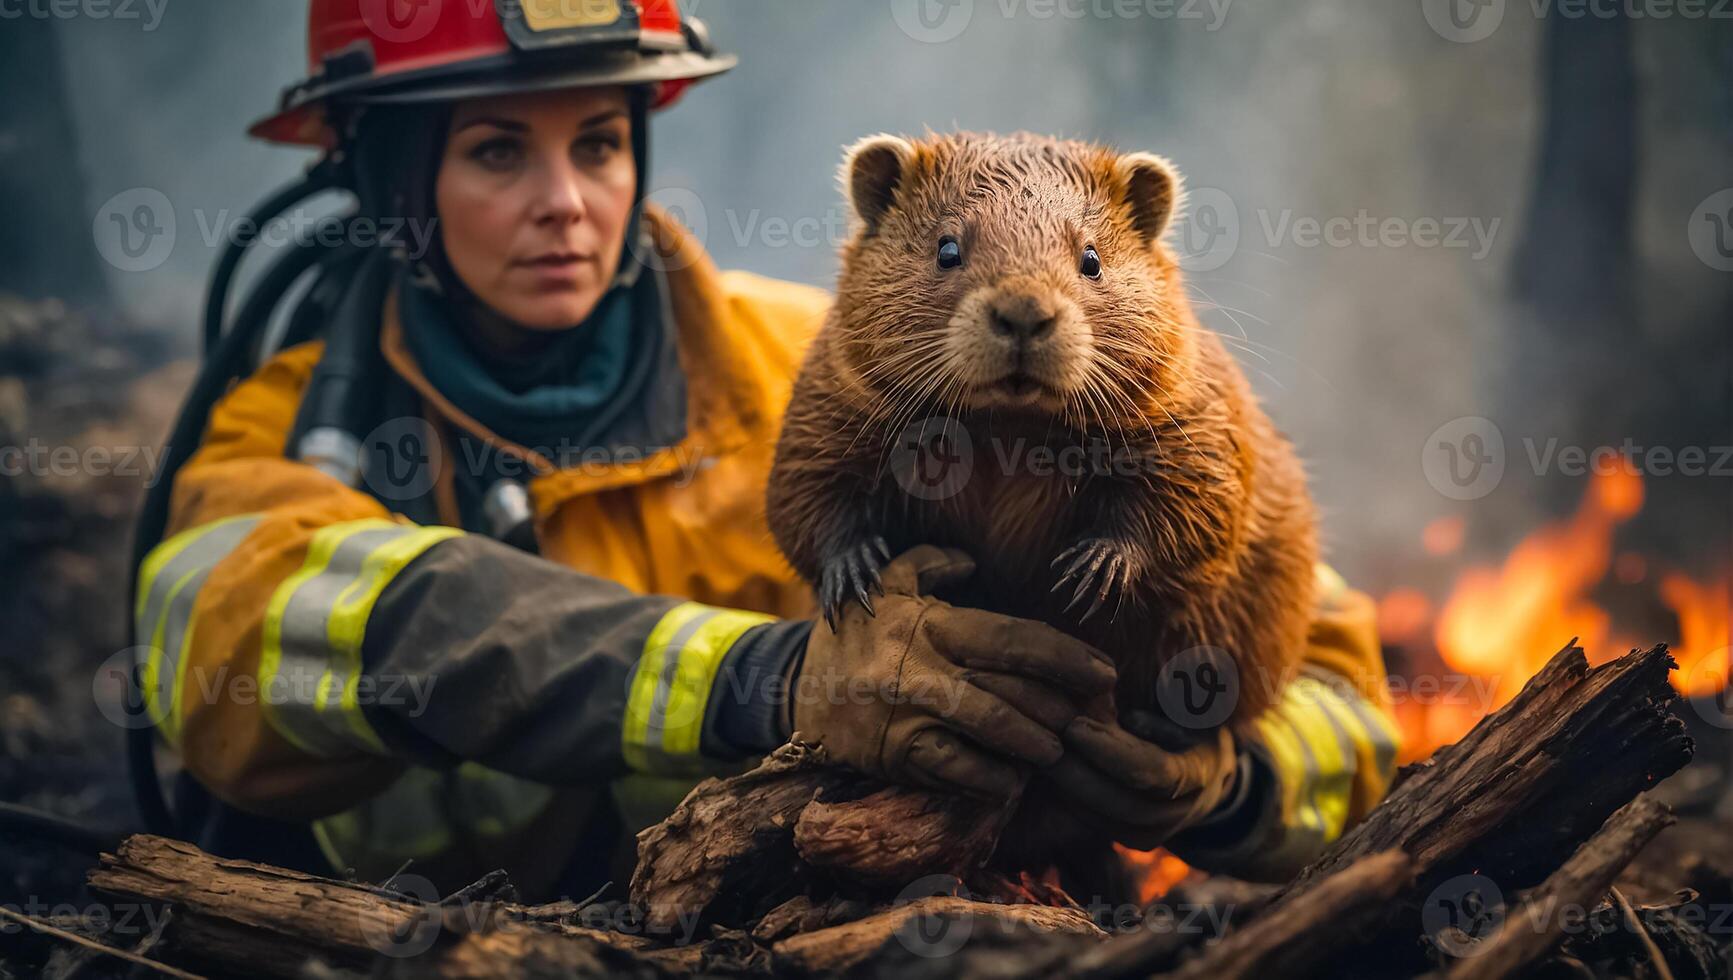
point(1566, 156)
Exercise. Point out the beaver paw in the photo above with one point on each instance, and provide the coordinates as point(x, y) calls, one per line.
point(856, 571)
point(1095, 567)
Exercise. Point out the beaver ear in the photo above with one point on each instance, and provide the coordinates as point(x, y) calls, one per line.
point(871, 170)
point(1154, 191)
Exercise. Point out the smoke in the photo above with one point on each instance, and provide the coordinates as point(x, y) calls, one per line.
point(1373, 172)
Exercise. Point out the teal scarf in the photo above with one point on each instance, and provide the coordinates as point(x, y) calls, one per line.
point(561, 398)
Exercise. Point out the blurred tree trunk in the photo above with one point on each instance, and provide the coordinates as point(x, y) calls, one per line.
point(46, 249)
point(1576, 261)
point(1574, 275)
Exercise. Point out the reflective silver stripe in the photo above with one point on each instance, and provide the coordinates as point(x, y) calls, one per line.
point(200, 547)
point(172, 576)
point(306, 687)
point(670, 667)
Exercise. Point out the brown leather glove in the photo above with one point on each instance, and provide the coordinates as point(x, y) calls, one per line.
point(945, 697)
point(1137, 791)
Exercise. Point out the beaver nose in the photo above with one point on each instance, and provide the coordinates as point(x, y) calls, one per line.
point(1021, 318)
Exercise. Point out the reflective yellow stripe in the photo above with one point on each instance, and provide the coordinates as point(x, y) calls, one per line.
point(1292, 769)
point(170, 580)
point(1364, 726)
point(1333, 776)
point(310, 665)
point(636, 725)
point(348, 622)
point(670, 690)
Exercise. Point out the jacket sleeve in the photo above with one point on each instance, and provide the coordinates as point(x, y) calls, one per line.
point(302, 645)
point(1319, 761)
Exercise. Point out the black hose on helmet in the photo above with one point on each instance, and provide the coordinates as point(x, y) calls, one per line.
point(324, 175)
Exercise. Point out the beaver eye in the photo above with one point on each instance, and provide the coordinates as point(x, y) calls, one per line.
point(1091, 265)
point(950, 253)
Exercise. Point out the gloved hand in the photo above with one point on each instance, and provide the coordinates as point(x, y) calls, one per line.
point(940, 696)
point(1137, 791)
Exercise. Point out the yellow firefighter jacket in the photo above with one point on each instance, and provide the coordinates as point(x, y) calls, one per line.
point(519, 685)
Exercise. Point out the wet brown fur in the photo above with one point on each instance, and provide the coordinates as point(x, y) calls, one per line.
point(1216, 529)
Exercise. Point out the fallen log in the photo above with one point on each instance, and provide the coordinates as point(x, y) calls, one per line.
point(270, 922)
point(242, 919)
point(737, 847)
point(1510, 801)
point(1291, 940)
point(1532, 780)
point(1566, 899)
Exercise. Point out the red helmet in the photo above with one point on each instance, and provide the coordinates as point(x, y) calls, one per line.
point(395, 51)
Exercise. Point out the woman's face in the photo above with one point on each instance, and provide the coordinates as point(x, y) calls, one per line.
point(534, 193)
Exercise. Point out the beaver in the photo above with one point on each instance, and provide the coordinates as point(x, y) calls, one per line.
point(1008, 306)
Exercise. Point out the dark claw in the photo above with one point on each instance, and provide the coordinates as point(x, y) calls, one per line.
point(1097, 570)
point(854, 574)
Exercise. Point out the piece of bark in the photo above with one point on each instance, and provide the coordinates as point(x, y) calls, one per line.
point(1292, 940)
point(1533, 779)
point(736, 848)
point(727, 851)
point(930, 929)
point(897, 835)
point(1537, 925)
point(257, 920)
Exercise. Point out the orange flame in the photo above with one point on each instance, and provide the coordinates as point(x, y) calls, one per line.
point(1500, 624)
point(1705, 631)
point(1156, 871)
point(1504, 623)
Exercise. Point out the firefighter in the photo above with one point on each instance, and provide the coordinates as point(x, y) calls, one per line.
point(473, 572)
